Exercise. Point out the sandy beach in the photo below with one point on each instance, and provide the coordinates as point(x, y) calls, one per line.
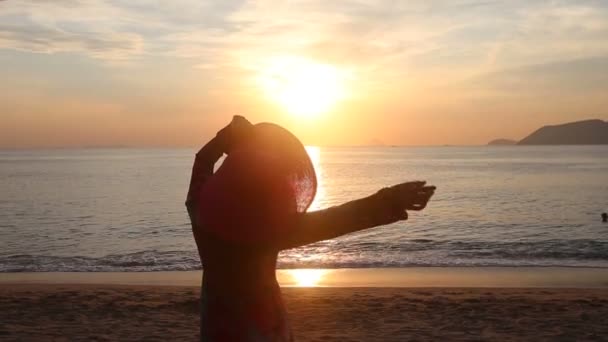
point(86, 312)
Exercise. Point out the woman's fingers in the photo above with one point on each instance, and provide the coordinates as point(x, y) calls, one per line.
point(410, 192)
point(407, 196)
point(420, 199)
point(235, 133)
point(408, 186)
point(417, 206)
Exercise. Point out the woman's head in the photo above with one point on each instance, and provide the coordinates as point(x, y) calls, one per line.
point(289, 159)
point(262, 183)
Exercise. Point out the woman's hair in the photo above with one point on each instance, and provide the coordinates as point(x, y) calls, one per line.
point(292, 157)
point(261, 184)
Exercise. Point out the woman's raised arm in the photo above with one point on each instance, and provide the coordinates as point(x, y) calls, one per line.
point(208, 155)
point(202, 169)
point(387, 206)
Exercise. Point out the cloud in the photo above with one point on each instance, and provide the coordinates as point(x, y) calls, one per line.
point(578, 77)
point(116, 29)
point(431, 58)
point(39, 39)
point(66, 26)
point(553, 32)
point(422, 39)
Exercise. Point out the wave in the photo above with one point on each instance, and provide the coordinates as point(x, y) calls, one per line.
point(340, 254)
point(146, 261)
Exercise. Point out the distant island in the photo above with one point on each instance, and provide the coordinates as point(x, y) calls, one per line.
point(587, 132)
point(502, 142)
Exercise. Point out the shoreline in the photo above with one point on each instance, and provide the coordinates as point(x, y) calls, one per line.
point(413, 277)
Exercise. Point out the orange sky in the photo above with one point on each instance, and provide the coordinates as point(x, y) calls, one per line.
point(107, 73)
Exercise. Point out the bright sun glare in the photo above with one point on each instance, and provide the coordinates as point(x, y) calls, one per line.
point(307, 277)
point(301, 86)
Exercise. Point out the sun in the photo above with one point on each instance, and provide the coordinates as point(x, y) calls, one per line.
point(307, 277)
point(301, 86)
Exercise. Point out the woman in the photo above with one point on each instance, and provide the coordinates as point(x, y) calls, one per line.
point(253, 207)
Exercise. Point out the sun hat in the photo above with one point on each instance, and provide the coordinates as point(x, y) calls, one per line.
point(259, 188)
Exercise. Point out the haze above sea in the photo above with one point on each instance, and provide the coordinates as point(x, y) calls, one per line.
point(122, 209)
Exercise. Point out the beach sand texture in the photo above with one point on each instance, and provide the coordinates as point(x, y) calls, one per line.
point(40, 312)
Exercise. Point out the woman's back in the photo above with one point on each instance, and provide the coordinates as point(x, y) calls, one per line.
point(241, 298)
point(230, 267)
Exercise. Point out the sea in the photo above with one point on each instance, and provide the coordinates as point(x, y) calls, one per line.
point(99, 210)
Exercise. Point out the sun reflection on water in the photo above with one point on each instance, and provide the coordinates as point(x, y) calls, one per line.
point(311, 277)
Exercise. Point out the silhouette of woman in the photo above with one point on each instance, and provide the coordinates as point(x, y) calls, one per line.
point(254, 206)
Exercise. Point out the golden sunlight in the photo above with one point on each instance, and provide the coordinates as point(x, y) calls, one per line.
point(314, 153)
point(307, 277)
point(303, 87)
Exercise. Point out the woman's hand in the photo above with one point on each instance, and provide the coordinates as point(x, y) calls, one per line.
point(228, 137)
point(397, 199)
point(237, 131)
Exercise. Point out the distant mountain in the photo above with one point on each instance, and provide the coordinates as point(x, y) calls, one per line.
point(588, 132)
point(502, 142)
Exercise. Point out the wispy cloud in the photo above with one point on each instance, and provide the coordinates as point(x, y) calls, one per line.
point(41, 39)
point(184, 56)
point(573, 77)
point(66, 26)
point(553, 32)
point(413, 34)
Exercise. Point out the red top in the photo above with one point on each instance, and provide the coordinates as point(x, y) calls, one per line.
point(238, 213)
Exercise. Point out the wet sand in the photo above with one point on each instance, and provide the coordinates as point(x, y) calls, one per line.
point(565, 277)
point(86, 312)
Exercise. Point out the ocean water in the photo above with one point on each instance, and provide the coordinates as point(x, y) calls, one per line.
point(122, 209)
